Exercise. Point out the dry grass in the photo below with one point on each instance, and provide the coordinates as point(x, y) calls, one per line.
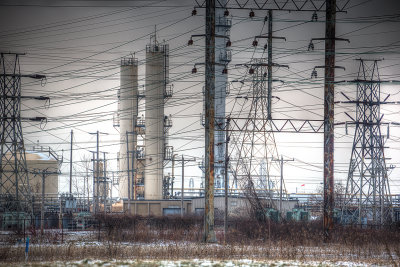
point(175, 238)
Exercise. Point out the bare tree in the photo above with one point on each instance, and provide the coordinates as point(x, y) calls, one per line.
point(315, 202)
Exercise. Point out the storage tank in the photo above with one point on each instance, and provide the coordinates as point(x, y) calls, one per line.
point(156, 82)
point(38, 160)
point(127, 114)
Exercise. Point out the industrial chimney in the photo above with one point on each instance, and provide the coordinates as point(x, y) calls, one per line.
point(156, 124)
point(127, 116)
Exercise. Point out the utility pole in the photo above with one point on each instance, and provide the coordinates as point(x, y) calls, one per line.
point(104, 182)
point(134, 173)
point(94, 184)
point(329, 94)
point(209, 234)
point(84, 187)
point(129, 179)
point(226, 183)
point(42, 206)
point(269, 96)
point(282, 161)
point(183, 183)
point(70, 165)
point(111, 194)
point(131, 168)
point(87, 183)
point(96, 171)
point(173, 174)
point(43, 173)
point(329, 112)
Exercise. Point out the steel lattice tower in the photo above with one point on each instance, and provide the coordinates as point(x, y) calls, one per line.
point(14, 183)
point(254, 145)
point(367, 199)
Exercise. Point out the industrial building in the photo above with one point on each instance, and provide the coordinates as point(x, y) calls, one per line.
point(237, 206)
point(143, 141)
point(158, 207)
point(43, 167)
point(222, 58)
point(144, 150)
point(40, 159)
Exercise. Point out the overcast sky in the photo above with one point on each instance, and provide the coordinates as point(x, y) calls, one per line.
point(78, 45)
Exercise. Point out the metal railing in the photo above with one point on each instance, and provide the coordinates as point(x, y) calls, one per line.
point(129, 61)
point(49, 151)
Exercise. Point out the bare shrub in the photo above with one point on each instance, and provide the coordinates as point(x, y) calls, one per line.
point(148, 229)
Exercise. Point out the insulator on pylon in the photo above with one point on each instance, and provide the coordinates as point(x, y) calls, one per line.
point(194, 70)
point(255, 43)
point(228, 43)
point(311, 46)
point(265, 74)
point(226, 13)
point(251, 14)
point(265, 46)
point(314, 74)
point(265, 18)
point(225, 71)
point(314, 17)
point(190, 42)
point(194, 12)
point(251, 71)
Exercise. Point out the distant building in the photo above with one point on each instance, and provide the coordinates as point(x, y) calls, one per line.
point(38, 161)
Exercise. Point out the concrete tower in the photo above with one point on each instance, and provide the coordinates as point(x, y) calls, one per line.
point(222, 57)
point(127, 113)
point(155, 138)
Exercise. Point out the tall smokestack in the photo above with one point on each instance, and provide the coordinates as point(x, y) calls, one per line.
point(156, 82)
point(128, 113)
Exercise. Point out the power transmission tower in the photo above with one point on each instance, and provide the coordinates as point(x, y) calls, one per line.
point(328, 6)
point(367, 198)
point(260, 145)
point(253, 145)
point(14, 181)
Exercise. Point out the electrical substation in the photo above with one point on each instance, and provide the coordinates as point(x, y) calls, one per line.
point(241, 167)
